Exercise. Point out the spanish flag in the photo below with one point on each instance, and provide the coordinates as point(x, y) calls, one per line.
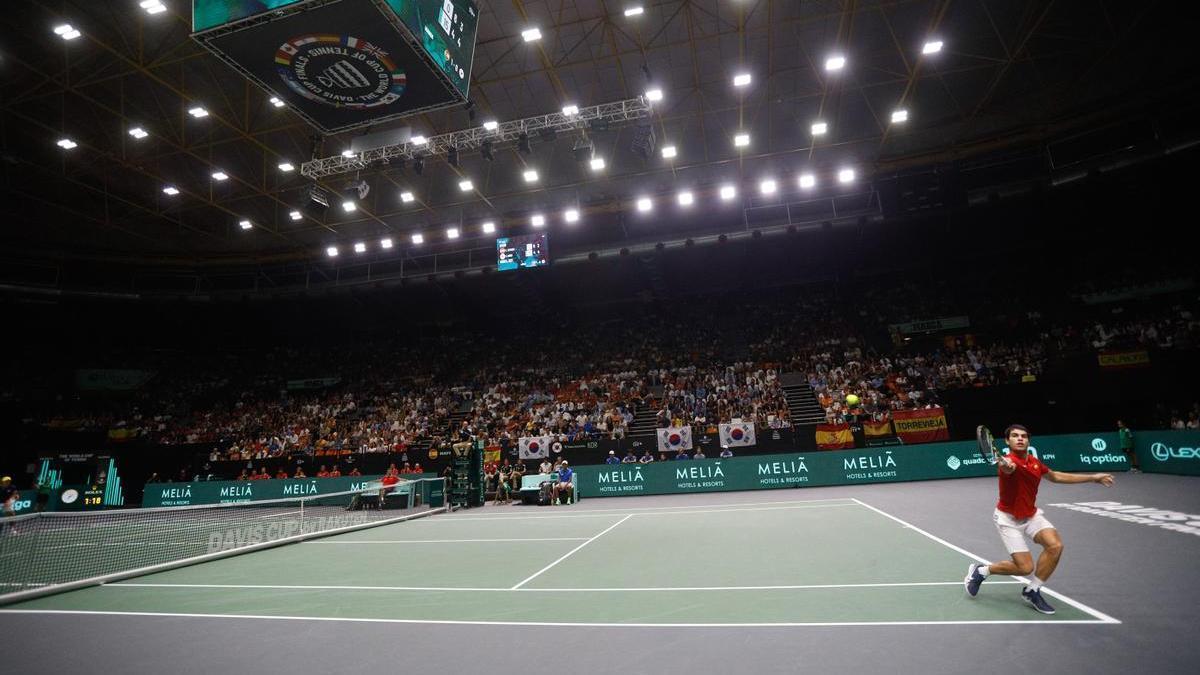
point(876, 429)
point(834, 436)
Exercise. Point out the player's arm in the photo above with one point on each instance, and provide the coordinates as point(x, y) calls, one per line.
point(1104, 479)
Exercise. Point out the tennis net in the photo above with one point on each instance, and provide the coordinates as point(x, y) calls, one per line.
point(51, 552)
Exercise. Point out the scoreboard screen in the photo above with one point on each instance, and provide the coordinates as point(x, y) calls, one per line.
point(212, 13)
point(516, 252)
point(445, 29)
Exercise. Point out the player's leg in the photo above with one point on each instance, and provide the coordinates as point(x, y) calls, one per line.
point(1020, 564)
point(1052, 548)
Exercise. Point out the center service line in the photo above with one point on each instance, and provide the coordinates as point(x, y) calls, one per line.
point(539, 572)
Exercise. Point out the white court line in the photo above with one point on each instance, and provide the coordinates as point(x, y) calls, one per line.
point(433, 541)
point(568, 554)
point(658, 513)
point(635, 589)
point(1104, 618)
point(226, 617)
point(621, 512)
point(278, 515)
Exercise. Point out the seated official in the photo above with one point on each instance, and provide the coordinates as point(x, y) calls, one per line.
point(612, 458)
point(647, 457)
point(629, 458)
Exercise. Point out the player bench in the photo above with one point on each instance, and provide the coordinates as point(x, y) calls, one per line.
point(532, 484)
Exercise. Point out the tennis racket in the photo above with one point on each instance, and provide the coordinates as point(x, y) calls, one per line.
point(986, 445)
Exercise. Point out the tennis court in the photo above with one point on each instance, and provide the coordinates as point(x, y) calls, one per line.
point(822, 562)
point(676, 571)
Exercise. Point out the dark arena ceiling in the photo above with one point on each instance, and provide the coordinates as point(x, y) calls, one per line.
point(1021, 94)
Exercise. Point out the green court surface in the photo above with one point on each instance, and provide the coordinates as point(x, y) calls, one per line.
point(817, 562)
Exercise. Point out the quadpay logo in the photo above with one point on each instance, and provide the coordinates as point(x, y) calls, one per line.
point(953, 462)
point(1162, 452)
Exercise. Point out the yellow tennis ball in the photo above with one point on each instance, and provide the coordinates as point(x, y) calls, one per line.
point(851, 400)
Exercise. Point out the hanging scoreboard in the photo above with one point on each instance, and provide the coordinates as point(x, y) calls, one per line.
point(517, 252)
point(343, 64)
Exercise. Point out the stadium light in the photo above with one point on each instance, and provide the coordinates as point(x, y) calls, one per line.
point(932, 47)
point(220, 175)
point(276, 102)
point(418, 140)
point(170, 190)
point(570, 109)
point(349, 206)
point(465, 185)
point(489, 227)
point(491, 125)
point(138, 133)
point(418, 238)
point(406, 196)
point(654, 95)
point(741, 79)
point(899, 116)
point(768, 186)
point(295, 215)
point(347, 153)
point(67, 32)
point(728, 192)
point(686, 198)
point(360, 247)
point(571, 215)
point(741, 140)
point(835, 63)
point(67, 144)
point(245, 224)
point(531, 175)
point(198, 112)
point(644, 204)
point(538, 220)
point(286, 167)
point(846, 176)
point(668, 152)
point(332, 251)
point(635, 10)
point(531, 34)
point(452, 233)
point(807, 181)
point(819, 128)
point(385, 243)
point(597, 164)
point(152, 6)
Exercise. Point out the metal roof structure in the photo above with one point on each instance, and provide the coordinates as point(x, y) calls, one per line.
point(1019, 90)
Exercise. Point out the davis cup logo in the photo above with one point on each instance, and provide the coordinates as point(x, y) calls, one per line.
point(340, 71)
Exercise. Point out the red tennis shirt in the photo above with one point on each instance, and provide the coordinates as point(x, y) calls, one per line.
point(1018, 490)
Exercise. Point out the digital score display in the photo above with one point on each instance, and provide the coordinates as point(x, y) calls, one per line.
point(517, 252)
point(445, 29)
point(446, 32)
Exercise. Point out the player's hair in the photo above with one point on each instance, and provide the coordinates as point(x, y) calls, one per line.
point(1009, 429)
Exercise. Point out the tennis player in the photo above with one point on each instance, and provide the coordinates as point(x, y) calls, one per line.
point(9, 496)
point(1017, 516)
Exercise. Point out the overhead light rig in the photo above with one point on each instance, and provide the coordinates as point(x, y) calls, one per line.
point(605, 115)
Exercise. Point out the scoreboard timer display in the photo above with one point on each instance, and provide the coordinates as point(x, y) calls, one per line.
point(517, 252)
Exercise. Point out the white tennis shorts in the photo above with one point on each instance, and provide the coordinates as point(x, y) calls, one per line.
point(1013, 531)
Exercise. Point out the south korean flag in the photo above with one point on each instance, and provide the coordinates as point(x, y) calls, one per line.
point(534, 447)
